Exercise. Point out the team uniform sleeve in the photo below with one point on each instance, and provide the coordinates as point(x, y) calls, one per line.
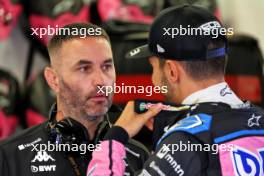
point(108, 159)
point(168, 159)
point(173, 157)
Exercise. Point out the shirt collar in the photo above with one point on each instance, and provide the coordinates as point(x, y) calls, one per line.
point(220, 92)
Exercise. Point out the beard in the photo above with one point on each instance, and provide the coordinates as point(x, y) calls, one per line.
point(77, 105)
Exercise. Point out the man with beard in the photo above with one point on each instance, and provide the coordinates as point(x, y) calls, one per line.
point(80, 65)
point(213, 132)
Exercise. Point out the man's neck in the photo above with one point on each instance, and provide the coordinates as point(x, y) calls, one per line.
point(91, 126)
point(192, 87)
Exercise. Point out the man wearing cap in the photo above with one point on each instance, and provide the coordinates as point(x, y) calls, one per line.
point(222, 135)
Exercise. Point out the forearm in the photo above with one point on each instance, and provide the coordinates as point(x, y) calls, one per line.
point(108, 160)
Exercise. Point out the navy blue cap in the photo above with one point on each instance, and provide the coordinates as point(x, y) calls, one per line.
point(165, 40)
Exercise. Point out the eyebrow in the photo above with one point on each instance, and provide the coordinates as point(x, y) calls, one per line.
point(108, 61)
point(87, 62)
point(83, 62)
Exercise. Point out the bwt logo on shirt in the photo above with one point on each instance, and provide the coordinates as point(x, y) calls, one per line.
point(46, 168)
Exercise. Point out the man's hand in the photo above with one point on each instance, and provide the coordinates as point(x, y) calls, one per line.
point(133, 122)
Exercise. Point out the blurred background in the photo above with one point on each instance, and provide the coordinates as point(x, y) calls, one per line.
point(25, 98)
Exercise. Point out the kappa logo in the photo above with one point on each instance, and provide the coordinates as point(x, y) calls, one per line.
point(42, 156)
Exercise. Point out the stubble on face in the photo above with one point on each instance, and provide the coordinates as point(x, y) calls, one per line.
point(77, 105)
point(164, 82)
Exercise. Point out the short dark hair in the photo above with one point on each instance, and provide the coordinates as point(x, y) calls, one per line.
point(73, 31)
point(200, 69)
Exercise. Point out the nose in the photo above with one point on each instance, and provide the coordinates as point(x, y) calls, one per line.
point(98, 78)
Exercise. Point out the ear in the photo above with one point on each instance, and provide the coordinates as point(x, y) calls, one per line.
point(52, 79)
point(172, 71)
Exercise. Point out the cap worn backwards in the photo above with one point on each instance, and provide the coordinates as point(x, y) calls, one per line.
point(182, 33)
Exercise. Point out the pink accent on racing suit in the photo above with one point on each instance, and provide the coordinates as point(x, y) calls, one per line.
point(110, 165)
